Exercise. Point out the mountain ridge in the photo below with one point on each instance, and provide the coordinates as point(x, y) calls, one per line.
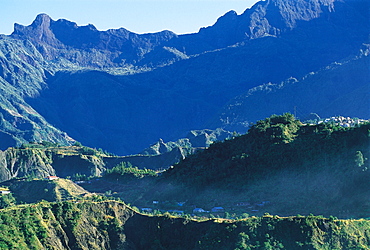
point(190, 77)
point(51, 35)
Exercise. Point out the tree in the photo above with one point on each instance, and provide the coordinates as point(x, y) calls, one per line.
point(77, 144)
point(277, 128)
point(6, 200)
point(359, 159)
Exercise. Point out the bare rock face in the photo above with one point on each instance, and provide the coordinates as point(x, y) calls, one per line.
point(43, 162)
point(38, 31)
point(301, 10)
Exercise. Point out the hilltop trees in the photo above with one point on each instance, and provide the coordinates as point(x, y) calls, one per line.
point(277, 128)
point(359, 160)
point(277, 143)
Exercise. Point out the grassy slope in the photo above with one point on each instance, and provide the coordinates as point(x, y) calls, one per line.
point(55, 190)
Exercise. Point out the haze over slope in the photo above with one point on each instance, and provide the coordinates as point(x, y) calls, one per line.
point(59, 68)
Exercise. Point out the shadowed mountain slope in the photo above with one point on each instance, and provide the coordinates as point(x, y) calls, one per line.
point(59, 70)
point(134, 111)
point(341, 88)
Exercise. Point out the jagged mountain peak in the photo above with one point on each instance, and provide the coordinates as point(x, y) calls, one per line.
point(272, 15)
point(39, 30)
point(118, 46)
point(45, 22)
point(270, 18)
point(230, 14)
point(41, 19)
point(227, 19)
point(45, 29)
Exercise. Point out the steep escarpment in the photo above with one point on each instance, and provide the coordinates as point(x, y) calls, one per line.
point(22, 74)
point(46, 159)
point(273, 18)
point(42, 162)
point(20, 163)
point(39, 161)
point(67, 225)
point(111, 225)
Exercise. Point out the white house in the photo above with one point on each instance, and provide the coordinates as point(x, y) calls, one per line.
point(51, 177)
point(218, 210)
point(199, 210)
point(147, 209)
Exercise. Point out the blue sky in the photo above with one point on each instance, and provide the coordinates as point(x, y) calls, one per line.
point(140, 16)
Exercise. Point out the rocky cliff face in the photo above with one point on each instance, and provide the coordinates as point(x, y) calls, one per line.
point(22, 74)
point(69, 161)
point(43, 162)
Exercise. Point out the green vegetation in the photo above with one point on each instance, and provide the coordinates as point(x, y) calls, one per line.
point(126, 169)
point(64, 225)
point(280, 166)
point(38, 160)
point(112, 225)
point(22, 228)
point(7, 200)
point(43, 144)
point(275, 144)
point(267, 232)
point(35, 190)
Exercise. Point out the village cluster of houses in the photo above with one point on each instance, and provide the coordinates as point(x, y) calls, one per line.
point(346, 122)
point(247, 206)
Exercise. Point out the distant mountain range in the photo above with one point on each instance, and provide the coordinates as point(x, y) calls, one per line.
point(122, 91)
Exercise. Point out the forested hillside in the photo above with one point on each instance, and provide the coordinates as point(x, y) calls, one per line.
point(301, 168)
point(112, 225)
point(278, 143)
